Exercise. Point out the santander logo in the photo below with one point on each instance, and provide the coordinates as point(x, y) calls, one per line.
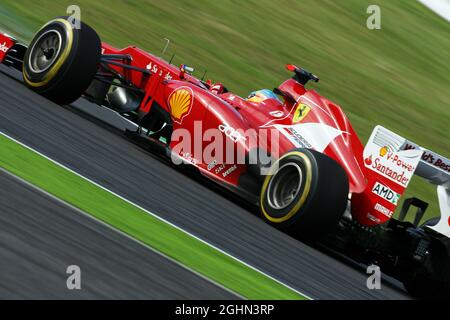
point(387, 169)
point(392, 165)
point(383, 155)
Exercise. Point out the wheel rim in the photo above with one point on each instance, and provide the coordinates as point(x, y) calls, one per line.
point(284, 186)
point(45, 51)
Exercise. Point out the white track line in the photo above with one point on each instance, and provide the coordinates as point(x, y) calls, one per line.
point(155, 215)
point(110, 227)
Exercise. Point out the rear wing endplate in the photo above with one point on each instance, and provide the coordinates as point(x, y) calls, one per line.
point(436, 170)
point(432, 167)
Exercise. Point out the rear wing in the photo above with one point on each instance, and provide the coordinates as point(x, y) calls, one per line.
point(431, 166)
point(436, 170)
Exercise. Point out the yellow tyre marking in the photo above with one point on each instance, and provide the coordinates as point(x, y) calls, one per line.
point(64, 55)
point(302, 199)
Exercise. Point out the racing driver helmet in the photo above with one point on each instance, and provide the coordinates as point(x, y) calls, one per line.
point(262, 95)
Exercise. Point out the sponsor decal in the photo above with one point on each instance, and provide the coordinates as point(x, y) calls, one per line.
point(396, 166)
point(299, 139)
point(212, 165)
point(315, 136)
point(180, 103)
point(219, 168)
point(232, 133)
point(189, 158)
point(396, 159)
point(441, 164)
point(3, 47)
point(388, 170)
point(154, 68)
point(382, 209)
point(432, 158)
point(386, 193)
point(229, 170)
point(301, 112)
point(382, 155)
point(383, 151)
point(277, 114)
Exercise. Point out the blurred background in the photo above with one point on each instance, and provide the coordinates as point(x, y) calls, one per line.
point(397, 76)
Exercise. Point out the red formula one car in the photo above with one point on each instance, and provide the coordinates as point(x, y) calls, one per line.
point(289, 151)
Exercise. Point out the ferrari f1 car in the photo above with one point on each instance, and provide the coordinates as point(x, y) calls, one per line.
point(289, 151)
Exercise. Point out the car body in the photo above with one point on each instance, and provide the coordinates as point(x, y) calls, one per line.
point(187, 116)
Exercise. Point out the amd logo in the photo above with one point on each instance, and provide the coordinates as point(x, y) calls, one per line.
point(386, 193)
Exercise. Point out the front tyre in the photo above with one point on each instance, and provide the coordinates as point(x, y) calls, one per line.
point(61, 61)
point(305, 193)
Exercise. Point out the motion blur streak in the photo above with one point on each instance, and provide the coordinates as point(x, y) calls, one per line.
point(41, 236)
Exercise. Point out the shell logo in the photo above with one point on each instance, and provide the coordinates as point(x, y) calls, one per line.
point(180, 103)
point(383, 151)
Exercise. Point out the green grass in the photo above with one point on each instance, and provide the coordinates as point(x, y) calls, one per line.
point(398, 76)
point(124, 216)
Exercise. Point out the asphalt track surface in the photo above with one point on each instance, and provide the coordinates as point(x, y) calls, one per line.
point(40, 237)
point(103, 155)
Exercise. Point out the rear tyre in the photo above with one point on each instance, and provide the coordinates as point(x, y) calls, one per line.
point(432, 279)
point(61, 61)
point(422, 286)
point(305, 193)
point(419, 287)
